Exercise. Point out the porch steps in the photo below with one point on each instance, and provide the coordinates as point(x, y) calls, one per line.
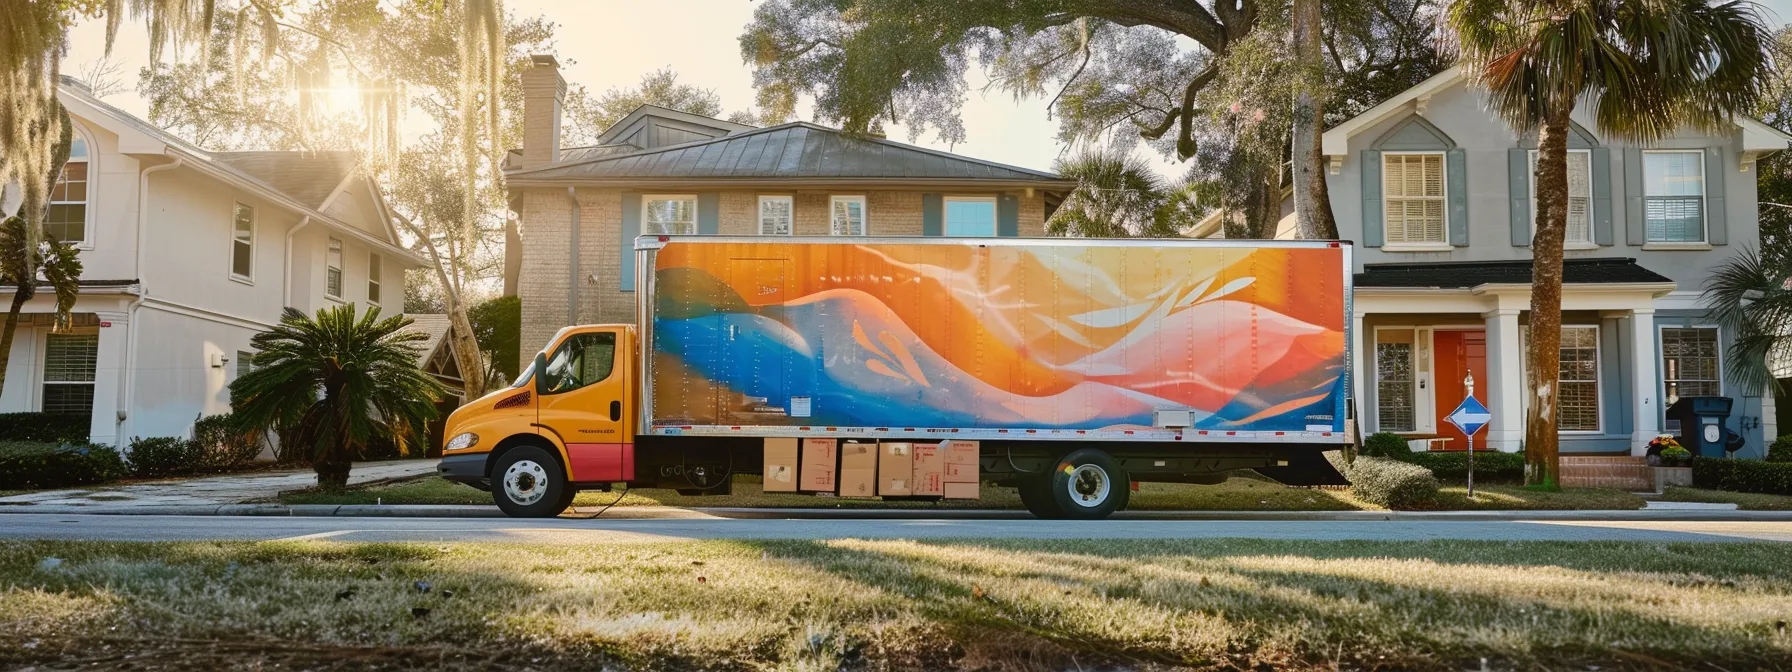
point(1632, 474)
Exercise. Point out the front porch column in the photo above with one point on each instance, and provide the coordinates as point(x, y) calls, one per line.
point(108, 376)
point(1504, 391)
point(1646, 411)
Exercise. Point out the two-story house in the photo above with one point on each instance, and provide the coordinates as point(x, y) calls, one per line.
point(663, 171)
point(187, 255)
point(1437, 192)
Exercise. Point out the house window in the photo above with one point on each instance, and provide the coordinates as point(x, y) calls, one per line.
point(971, 216)
point(1674, 196)
point(1413, 197)
point(776, 214)
point(333, 270)
point(669, 215)
point(848, 215)
point(1577, 406)
point(1689, 363)
point(1396, 400)
point(242, 243)
point(375, 272)
point(1580, 197)
point(69, 362)
point(67, 219)
point(245, 362)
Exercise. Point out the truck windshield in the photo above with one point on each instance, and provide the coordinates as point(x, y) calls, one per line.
point(524, 376)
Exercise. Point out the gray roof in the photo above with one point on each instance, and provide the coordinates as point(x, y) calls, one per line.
point(787, 151)
point(434, 325)
point(308, 177)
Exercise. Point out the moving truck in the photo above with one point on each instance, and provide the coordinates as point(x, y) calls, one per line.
point(1070, 369)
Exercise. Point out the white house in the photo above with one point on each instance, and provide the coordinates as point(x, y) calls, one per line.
point(188, 254)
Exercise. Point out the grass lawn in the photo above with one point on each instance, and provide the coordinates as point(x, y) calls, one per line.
point(849, 604)
point(1236, 494)
point(1746, 501)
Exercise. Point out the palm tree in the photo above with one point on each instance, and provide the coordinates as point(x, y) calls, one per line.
point(1748, 299)
point(1116, 195)
point(365, 371)
point(1648, 67)
point(21, 265)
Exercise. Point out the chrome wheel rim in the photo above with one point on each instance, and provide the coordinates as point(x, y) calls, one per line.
point(525, 482)
point(1088, 485)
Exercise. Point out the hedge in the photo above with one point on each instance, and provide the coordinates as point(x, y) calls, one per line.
point(1390, 483)
point(1781, 449)
point(164, 456)
point(1386, 444)
point(55, 428)
point(219, 444)
point(1491, 466)
point(1719, 473)
point(30, 465)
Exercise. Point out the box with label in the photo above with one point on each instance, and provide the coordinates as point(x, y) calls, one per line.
point(961, 452)
point(858, 469)
point(780, 465)
point(930, 470)
point(895, 468)
point(818, 465)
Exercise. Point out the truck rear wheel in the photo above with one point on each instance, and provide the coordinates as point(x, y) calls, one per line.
point(527, 482)
point(1084, 485)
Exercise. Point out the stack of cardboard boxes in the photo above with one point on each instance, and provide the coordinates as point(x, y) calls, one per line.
point(865, 469)
point(961, 470)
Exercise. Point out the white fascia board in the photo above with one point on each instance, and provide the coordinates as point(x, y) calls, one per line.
point(131, 140)
point(1759, 137)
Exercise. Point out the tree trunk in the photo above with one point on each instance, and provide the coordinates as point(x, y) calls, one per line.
point(1266, 214)
point(332, 472)
point(20, 295)
point(1544, 376)
point(466, 349)
point(1312, 203)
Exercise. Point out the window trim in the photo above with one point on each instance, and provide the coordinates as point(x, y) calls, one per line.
point(1598, 384)
point(86, 242)
point(995, 211)
point(696, 214)
point(1661, 355)
point(375, 281)
point(341, 252)
point(41, 379)
point(254, 231)
point(864, 212)
point(1704, 241)
point(1422, 404)
point(1587, 244)
point(787, 199)
point(244, 358)
point(1443, 163)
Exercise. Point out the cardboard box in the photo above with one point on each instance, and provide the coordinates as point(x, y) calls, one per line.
point(960, 473)
point(858, 482)
point(780, 465)
point(818, 465)
point(963, 491)
point(961, 452)
point(858, 455)
point(895, 468)
point(930, 470)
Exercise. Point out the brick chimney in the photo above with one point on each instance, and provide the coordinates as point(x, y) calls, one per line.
point(544, 94)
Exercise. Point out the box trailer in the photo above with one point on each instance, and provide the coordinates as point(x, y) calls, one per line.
point(920, 367)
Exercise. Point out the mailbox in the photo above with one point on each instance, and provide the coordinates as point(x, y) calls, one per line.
point(1702, 428)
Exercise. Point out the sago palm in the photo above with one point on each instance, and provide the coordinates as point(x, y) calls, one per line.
point(1648, 67)
point(335, 381)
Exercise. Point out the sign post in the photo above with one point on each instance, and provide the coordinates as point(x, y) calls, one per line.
point(1470, 416)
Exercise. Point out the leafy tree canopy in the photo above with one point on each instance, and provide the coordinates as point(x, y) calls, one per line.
point(590, 117)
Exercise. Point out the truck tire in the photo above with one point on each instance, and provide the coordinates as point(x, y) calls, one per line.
point(527, 482)
point(1035, 494)
point(1085, 485)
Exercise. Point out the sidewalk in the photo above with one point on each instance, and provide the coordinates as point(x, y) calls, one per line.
point(200, 493)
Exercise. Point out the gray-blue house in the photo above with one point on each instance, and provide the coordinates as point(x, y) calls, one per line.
point(1437, 192)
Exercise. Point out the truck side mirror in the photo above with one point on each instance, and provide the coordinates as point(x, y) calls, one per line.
point(541, 370)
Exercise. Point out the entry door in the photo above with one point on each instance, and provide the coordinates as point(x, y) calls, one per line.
point(754, 346)
point(1459, 352)
point(586, 405)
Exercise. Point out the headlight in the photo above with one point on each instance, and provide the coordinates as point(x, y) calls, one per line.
point(462, 442)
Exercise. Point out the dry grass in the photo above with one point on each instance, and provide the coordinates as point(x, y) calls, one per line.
point(848, 604)
point(1746, 501)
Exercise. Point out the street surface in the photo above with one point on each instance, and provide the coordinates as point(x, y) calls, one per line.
point(569, 530)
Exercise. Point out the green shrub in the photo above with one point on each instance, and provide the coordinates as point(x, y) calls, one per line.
point(29, 465)
point(164, 456)
point(223, 445)
point(1490, 466)
point(1781, 449)
point(1719, 473)
point(1390, 483)
point(44, 427)
point(1386, 444)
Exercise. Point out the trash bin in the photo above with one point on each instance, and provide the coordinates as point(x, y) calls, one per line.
point(1702, 428)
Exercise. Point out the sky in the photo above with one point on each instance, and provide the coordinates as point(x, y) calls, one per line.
point(600, 47)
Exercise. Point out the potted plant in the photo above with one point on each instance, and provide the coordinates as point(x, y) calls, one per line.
point(1676, 456)
point(1665, 451)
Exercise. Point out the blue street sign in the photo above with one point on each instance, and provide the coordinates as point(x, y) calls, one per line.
point(1470, 416)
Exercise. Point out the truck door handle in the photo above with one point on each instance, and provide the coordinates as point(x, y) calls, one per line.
point(615, 411)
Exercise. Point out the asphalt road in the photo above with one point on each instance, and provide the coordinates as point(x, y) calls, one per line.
point(566, 530)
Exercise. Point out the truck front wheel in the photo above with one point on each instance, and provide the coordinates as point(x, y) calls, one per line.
point(1084, 485)
point(527, 482)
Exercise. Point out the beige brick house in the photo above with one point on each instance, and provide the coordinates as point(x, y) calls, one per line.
point(664, 171)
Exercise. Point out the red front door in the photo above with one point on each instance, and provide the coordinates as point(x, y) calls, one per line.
point(1458, 353)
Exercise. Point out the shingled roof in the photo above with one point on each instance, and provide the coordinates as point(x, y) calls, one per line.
point(308, 177)
point(1466, 274)
point(794, 151)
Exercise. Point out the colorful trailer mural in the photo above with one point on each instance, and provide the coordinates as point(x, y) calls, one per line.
point(1012, 338)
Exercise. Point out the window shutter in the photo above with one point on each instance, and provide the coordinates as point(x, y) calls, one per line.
point(1602, 195)
point(1518, 190)
point(1007, 216)
point(1633, 197)
point(1456, 190)
point(1716, 229)
point(709, 213)
point(1372, 218)
point(933, 215)
point(631, 227)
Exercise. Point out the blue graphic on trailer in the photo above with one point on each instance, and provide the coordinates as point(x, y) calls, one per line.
point(1470, 416)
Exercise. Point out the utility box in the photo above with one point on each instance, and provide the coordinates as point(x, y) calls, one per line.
point(1702, 428)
